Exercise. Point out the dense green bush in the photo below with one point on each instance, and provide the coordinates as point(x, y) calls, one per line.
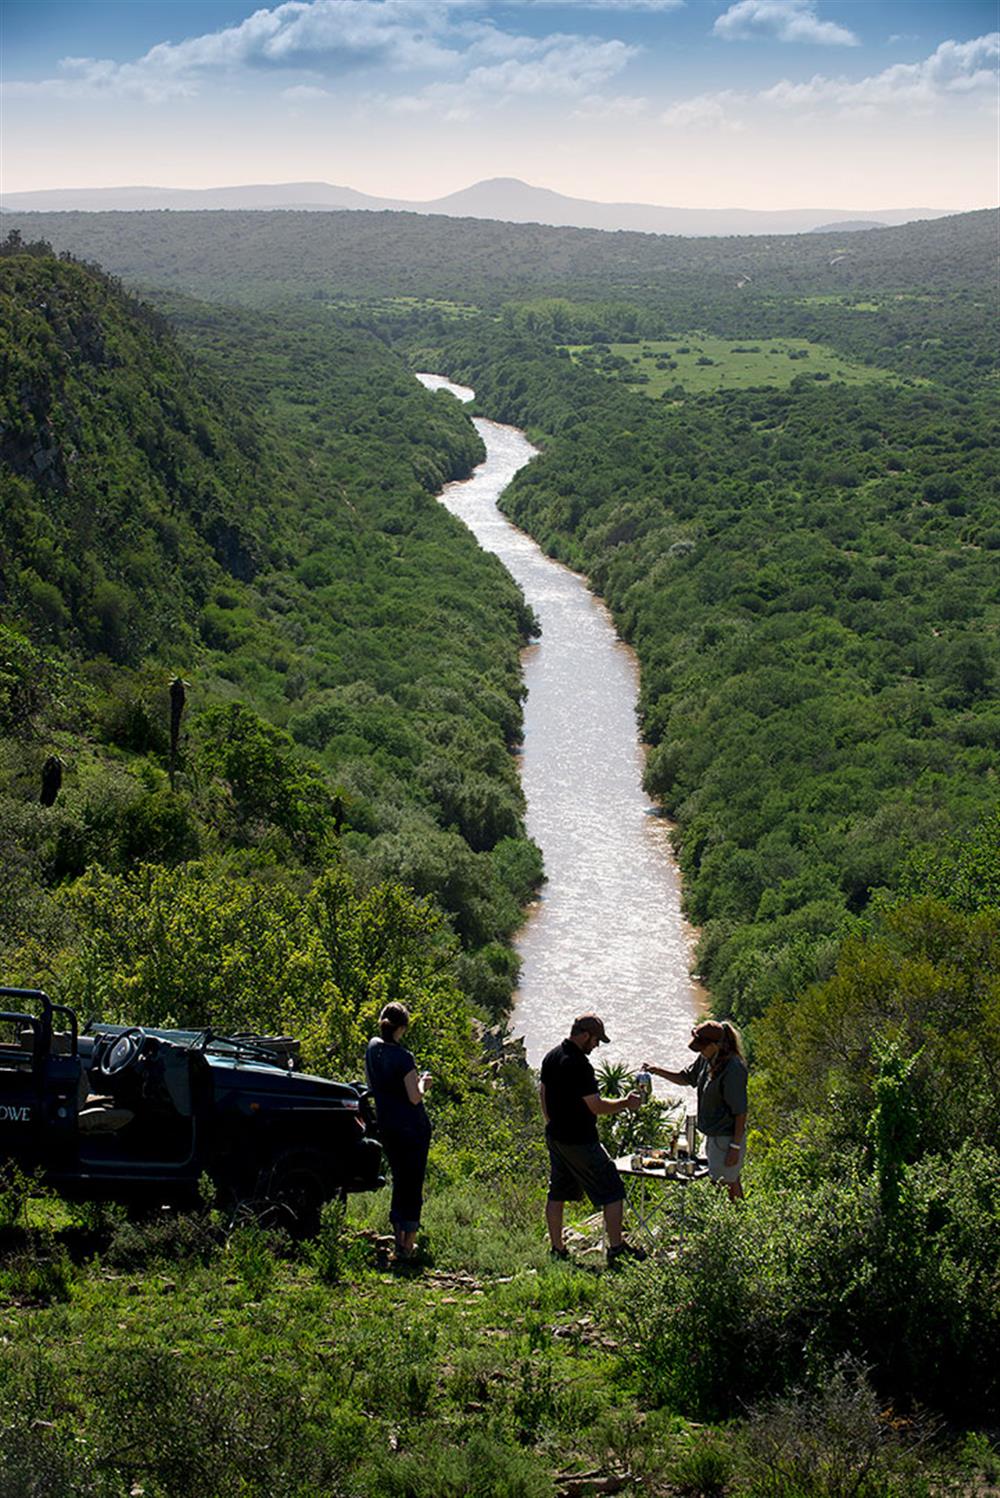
point(923, 978)
point(837, 1441)
point(809, 1271)
point(199, 945)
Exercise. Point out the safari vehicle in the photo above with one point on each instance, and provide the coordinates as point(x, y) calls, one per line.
point(115, 1112)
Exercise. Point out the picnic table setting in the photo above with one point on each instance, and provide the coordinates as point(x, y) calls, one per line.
point(655, 1184)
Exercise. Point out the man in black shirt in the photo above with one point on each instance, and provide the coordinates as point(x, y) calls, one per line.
point(571, 1104)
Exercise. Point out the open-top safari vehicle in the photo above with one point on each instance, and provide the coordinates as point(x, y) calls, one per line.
point(115, 1112)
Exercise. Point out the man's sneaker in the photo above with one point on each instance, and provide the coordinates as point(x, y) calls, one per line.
point(559, 1254)
point(624, 1251)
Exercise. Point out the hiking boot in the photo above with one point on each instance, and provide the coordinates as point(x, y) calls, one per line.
point(623, 1252)
point(560, 1255)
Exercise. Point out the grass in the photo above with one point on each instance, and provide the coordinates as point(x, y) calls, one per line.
point(405, 304)
point(196, 1363)
point(701, 364)
point(251, 1373)
point(850, 304)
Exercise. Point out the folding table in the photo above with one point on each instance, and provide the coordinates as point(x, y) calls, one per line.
point(649, 1201)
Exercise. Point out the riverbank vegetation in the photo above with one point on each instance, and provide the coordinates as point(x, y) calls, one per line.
point(809, 579)
point(807, 569)
point(352, 657)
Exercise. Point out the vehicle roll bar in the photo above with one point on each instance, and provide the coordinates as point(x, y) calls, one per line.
point(42, 1025)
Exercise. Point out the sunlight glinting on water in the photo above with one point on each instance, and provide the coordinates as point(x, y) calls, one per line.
point(607, 934)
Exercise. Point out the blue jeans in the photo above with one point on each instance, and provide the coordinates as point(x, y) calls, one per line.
point(407, 1157)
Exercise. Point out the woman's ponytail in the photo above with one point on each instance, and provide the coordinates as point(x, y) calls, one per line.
point(389, 1021)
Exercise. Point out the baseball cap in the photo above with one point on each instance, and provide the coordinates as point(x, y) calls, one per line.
point(708, 1033)
point(593, 1025)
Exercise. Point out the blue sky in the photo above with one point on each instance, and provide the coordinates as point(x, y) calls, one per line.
point(722, 103)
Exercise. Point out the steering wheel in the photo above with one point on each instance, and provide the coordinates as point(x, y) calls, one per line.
point(122, 1053)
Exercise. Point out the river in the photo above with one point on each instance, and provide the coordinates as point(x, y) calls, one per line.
point(606, 934)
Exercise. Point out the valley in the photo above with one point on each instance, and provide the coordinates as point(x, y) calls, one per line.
point(219, 469)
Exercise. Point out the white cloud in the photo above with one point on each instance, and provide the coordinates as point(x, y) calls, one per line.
point(324, 36)
point(329, 34)
point(954, 68)
point(304, 93)
point(783, 21)
point(704, 111)
point(564, 65)
point(93, 76)
point(619, 5)
point(611, 107)
point(323, 39)
point(547, 67)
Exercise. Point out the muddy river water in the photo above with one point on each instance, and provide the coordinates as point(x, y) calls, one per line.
point(607, 932)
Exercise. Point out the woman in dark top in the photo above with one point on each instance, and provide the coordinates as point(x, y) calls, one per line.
point(404, 1127)
point(720, 1075)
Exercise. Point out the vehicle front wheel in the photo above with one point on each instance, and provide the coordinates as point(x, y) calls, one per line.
point(294, 1186)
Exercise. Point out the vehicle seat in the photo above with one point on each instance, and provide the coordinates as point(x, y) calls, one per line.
point(101, 1116)
point(96, 1112)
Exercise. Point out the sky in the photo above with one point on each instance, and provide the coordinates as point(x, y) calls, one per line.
point(848, 104)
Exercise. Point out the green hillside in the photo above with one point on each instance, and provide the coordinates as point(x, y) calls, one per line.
point(352, 655)
point(269, 257)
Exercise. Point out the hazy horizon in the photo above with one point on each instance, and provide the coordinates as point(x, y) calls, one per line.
point(763, 104)
point(815, 207)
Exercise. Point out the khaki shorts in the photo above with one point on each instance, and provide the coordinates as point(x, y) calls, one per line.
point(578, 1168)
point(717, 1147)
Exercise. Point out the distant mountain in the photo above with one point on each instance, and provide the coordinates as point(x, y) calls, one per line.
point(290, 195)
point(501, 198)
point(850, 226)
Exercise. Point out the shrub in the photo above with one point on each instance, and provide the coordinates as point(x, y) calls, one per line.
point(337, 1251)
point(703, 1468)
point(159, 1418)
point(439, 1467)
point(38, 1456)
point(184, 1237)
point(486, 1228)
point(158, 828)
point(29, 679)
point(804, 1274)
point(980, 1457)
point(16, 1189)
point(250, 1248)
point(837, 1441)
point(36, 1273)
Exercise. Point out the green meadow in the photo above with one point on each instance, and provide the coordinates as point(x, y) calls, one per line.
point(700, 364)
point(397, 306)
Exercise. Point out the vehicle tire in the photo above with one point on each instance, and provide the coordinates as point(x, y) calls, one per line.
point(294, 1184)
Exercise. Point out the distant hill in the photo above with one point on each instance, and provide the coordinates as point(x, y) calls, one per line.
point(509, 200)
point(502, 198)
point(264, 258)
point(849, 226)
point(283, 195)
